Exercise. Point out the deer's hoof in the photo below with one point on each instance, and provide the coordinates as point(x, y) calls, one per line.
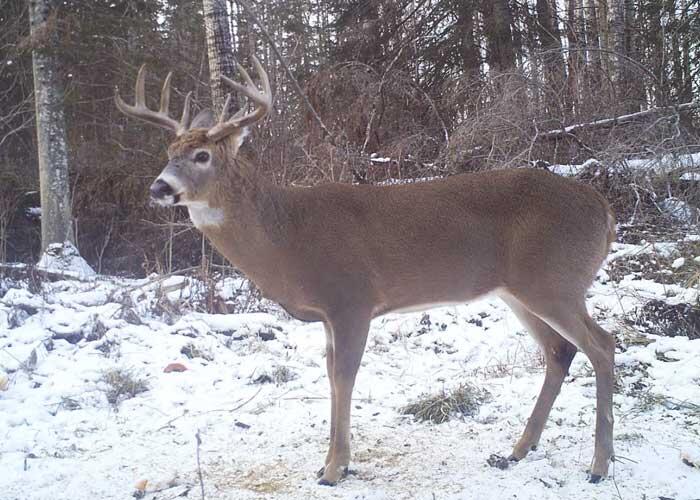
point(332, 474)
point(595, 478)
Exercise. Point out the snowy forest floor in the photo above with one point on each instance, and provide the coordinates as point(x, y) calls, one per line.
point(73, 353)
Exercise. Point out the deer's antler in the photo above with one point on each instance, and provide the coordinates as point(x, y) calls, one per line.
point(161, 117)
point(262, 101)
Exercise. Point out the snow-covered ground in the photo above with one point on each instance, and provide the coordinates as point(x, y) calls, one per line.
point(60, 438)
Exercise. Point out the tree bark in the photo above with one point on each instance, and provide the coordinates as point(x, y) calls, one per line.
point(550, 41)
point(468, 48)
point(574, 56)
point(56, 224)
point(219, 48)
point(593, 41)
point(617, 35)
point(604, 31)
point(686, 90)
point(245, 37)
point(498, 19)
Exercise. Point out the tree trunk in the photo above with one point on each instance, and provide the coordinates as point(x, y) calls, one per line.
point(604, 31)
point(219, 48)
point(617, 35)
point(593, 41)
point(498, 19)
point(245, 36)
point(56, 226)
point(656, 54)
point(635, 49)
point(686, 90)
point(468, 47)
point(574, 59)
point(550, 41)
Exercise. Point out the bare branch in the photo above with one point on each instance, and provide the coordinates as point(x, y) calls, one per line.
point(251, 13)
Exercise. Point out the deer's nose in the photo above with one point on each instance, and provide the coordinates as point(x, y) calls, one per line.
point(160, 189)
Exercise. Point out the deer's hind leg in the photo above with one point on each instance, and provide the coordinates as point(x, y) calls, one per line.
point(569, 317)
point(558, 354)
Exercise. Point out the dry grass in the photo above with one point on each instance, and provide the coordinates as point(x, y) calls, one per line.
point(646, 401)
point(462, 401)
point(190, 350)
point(668, 320)
point(660, 268)
point(121, 384)
point(279, 375)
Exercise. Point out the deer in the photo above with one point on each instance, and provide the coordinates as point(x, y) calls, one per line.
point(344, 254)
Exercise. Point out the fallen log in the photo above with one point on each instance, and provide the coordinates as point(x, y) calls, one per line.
point(618, 120)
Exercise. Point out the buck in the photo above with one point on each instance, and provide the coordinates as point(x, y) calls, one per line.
point(344, 254)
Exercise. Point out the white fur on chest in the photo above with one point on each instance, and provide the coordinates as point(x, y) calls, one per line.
point(202, 215)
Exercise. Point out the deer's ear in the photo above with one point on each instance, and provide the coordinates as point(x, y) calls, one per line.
point(204, 119)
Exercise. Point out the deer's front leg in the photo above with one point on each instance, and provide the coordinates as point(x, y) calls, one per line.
point(329, 368)
point(349, 337)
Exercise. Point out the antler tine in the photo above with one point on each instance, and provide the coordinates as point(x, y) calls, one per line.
point(248, 80)
point(263, 78)
point(140, 96)
point(238, 114)
point(250, 90)
point(222, 116)
point(165, 95)
point(252, 93)
point(139, 110)
point(185, 119)
point(263, 101)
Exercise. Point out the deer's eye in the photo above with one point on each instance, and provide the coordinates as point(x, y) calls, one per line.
point(201, 157)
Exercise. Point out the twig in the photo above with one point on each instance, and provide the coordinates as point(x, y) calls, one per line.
point(368, 132)
point(228, 410)
point(613, 479)
point(199, 466)
point(251, 13)
point(445, 133)
point(313, 398)
point(161, 277)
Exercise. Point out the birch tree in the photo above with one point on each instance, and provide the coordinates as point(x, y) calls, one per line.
point(56, 224)
point(219, 48)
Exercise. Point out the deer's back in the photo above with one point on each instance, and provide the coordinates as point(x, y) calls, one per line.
point(448, 240)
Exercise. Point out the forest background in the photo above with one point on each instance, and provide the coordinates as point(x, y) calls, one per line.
point(406, 88)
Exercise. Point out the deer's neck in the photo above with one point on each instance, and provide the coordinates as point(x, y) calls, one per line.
point(243, 219)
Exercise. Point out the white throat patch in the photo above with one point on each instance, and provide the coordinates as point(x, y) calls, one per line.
point(202, 215)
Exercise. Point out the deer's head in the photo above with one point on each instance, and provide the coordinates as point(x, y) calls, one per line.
point(204, 147)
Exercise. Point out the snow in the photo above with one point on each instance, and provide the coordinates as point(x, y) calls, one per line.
point(60, 438)
point(64, 258)
point(680, 210)
point(378, 159)
point(678, 263)
point(663, 163)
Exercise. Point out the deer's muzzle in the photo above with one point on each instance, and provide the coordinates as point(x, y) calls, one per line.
point(161, 190)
